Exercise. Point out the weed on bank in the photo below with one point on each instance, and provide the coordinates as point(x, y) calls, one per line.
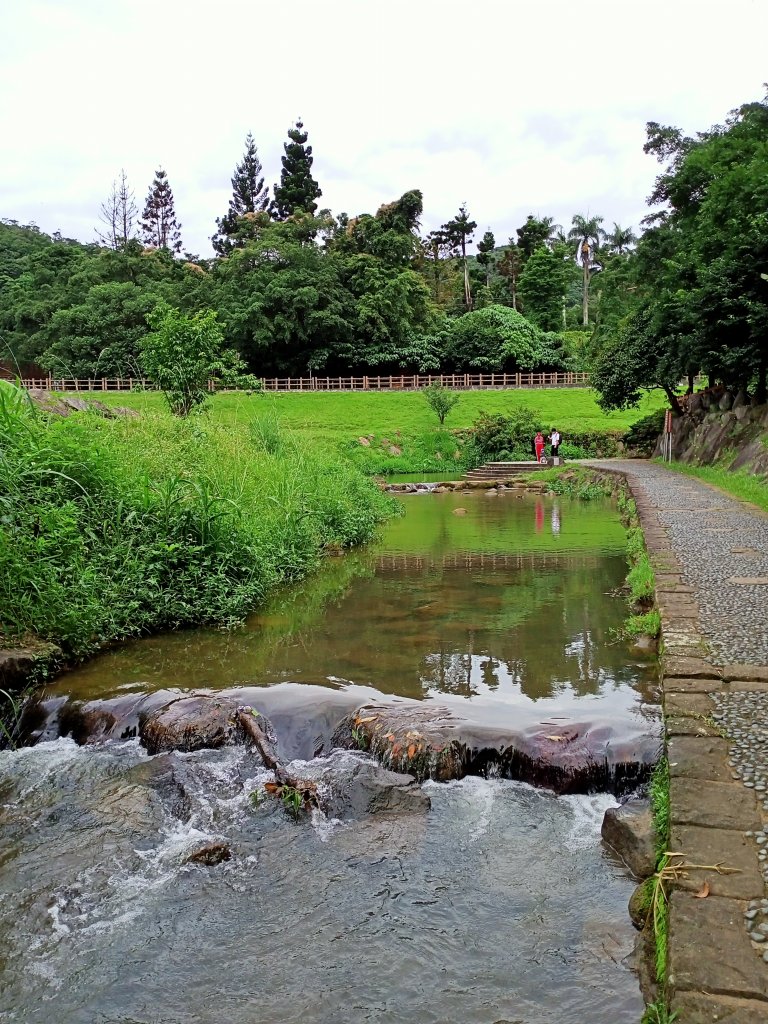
point(116, 527)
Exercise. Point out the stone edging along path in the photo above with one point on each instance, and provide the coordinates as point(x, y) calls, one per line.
point(716, 720)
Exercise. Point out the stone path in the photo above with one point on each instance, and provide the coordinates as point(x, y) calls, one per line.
point(710, 555)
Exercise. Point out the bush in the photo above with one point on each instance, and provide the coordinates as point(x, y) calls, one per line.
point(113, 528)
point(512, 435)
point(644, 433)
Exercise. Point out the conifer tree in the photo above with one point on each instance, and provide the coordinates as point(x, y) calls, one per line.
point(297, 190)
point(457, 233)
point(118, 214)
point(485, 249)
point(159, 227)
point(249, 195)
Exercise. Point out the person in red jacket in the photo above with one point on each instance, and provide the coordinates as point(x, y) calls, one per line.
point(538, 444)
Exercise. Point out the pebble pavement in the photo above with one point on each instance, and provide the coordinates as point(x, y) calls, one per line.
point(721, 548)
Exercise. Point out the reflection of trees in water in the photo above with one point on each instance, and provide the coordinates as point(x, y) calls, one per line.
point(539, 633)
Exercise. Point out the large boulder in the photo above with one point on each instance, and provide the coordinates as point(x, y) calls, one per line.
point(430, 741)
point(191, 723)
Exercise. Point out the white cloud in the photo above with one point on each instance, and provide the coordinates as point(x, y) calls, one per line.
point(512, 107)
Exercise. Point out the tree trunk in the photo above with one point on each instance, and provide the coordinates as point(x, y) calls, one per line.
point(762, 372)
point(673, 399)
point(467, 290)
point(585, 294)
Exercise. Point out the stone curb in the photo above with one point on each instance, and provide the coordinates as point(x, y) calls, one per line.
point(715, 971)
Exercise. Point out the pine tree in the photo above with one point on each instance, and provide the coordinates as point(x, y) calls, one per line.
point(118, 214)
point(159, 227)
point(485, 249)
point(297, 190)
point(457, 233)
point(249, 195)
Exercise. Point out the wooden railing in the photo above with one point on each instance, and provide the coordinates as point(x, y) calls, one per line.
point(403, 382)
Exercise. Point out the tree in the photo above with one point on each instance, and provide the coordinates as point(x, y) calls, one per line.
point(542, 284)
point(457, 233)
point(437, 267)
point(620, 239)
point(586, 231)
point(159, 227)
point(440, 399)
point(118, 214)
point(485, 249)
point(183, 353)
point(639, 356)
point(536, 231)
point(494, 339)
point(249, 196)
point(297, 190)
point(510, 267)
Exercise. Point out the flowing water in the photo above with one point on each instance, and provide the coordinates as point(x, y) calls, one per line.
point(498, 904)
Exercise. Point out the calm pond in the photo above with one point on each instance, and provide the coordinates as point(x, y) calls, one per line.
point(500, 904)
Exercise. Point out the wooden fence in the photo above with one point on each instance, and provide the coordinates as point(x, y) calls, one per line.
point(404, 382)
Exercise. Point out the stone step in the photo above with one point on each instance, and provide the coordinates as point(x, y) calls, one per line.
point(504, 470)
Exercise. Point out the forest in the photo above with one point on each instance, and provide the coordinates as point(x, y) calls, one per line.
point(298, 290)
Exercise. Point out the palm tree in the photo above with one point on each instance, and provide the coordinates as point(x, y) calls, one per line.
point(587, 232)
point(620, 239)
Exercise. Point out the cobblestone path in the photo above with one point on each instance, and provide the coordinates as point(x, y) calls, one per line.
point(710, 556)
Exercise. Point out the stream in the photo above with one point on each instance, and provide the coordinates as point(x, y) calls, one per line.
point(497, 904)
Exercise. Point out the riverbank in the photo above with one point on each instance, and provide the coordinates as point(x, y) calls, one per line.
point(710, 556)
point(118, 527)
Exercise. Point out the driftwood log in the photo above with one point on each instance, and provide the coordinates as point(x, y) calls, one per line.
point(294, 792)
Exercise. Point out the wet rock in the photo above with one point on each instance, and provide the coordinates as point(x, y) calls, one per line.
point(628, 830)
point(85, 725)
point(427, 740)
point(191, 723)
point(356, 786)
point(640, 904)
point(163, 775)
point(18, 664)
point(210, 854)
point(409, 740)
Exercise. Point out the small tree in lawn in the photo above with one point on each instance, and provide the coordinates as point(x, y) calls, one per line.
point(440, 399)
point(182, 353)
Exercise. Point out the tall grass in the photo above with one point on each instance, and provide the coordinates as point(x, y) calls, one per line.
point(112, 528)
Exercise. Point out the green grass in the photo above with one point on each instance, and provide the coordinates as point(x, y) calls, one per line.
point(113, 528)
point(641, 581)
point(742, 485)
point(648, 624)
point(334, 416)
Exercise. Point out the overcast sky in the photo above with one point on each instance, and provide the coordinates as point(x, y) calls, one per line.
point(512, 107)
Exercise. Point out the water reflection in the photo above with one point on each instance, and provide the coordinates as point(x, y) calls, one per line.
point(489, 604)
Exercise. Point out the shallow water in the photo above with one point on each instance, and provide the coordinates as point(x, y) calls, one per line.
point(498, 905)
point(506, 603)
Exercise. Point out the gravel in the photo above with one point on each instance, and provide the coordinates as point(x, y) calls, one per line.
point(732, 616)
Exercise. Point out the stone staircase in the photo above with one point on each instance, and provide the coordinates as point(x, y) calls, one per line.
point(505, 470)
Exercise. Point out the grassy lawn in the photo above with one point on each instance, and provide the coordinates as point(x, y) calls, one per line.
point(330, 416)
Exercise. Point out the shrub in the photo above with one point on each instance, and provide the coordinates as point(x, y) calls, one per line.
point(511, 434)
point(113, 528)
point(644, 433)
